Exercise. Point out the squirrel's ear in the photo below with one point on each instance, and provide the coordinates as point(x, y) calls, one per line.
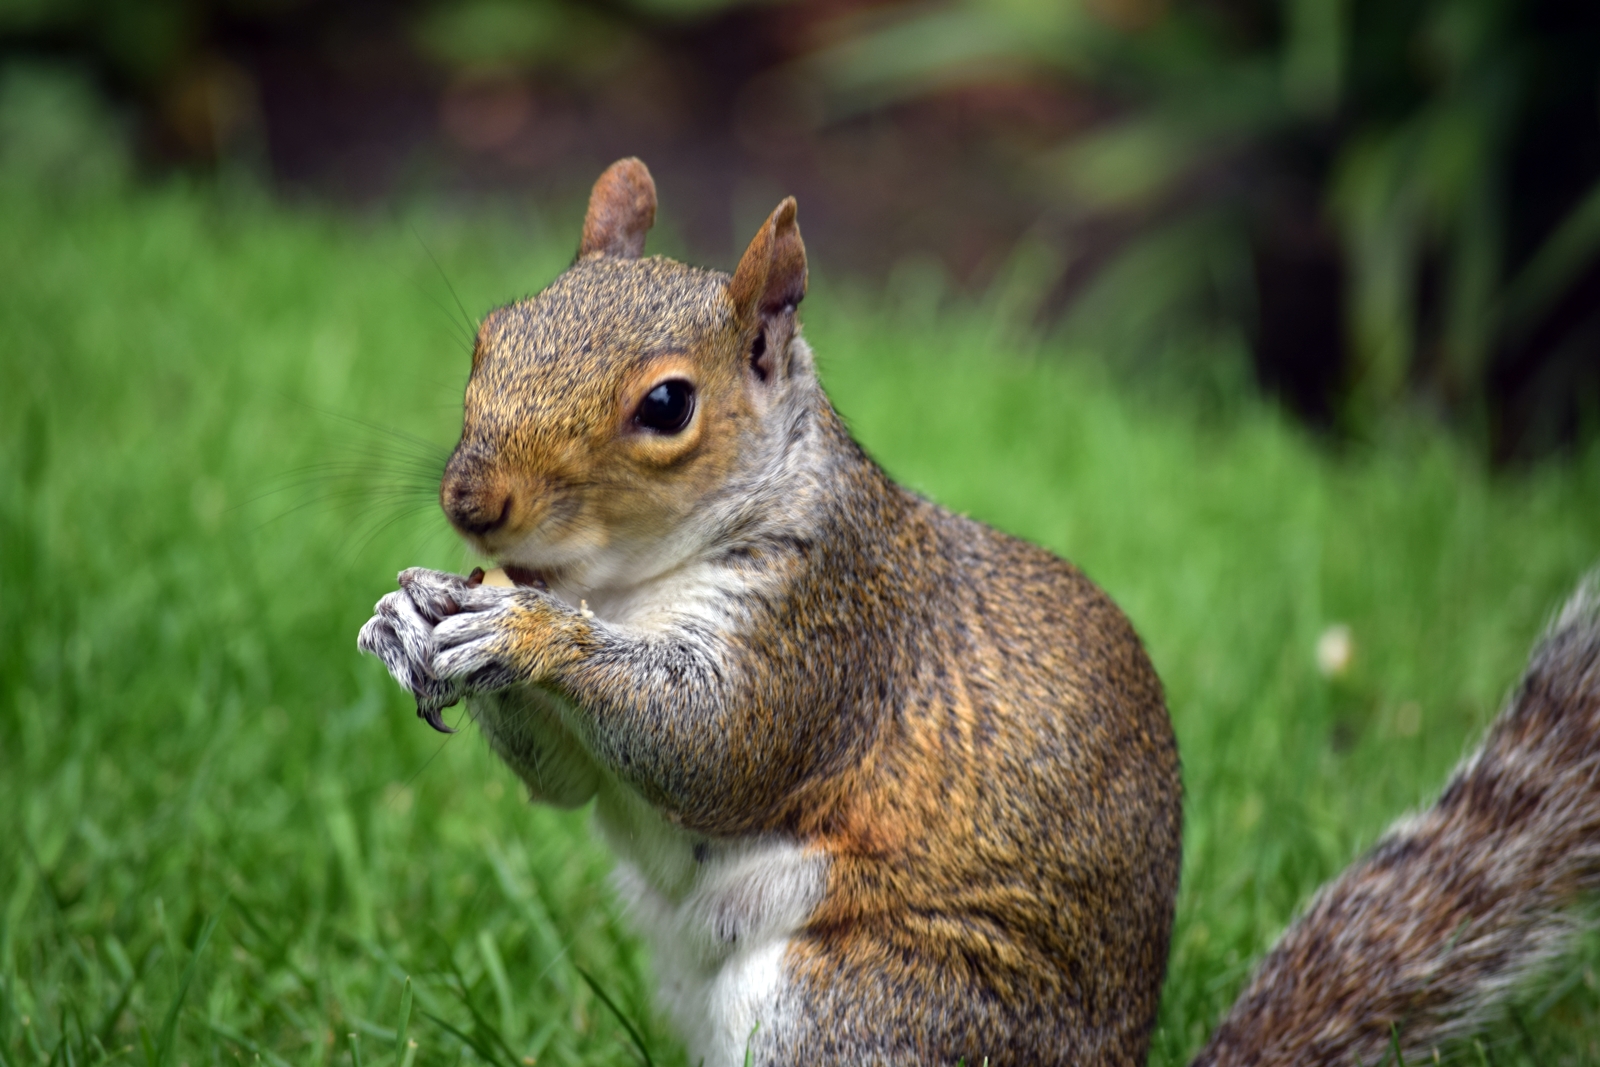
point(771, 277)
point(621, 208)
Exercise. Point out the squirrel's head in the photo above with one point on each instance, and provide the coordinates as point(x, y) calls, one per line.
point(603, 413)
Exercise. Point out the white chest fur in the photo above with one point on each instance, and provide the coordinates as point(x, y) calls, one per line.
point(718, 917)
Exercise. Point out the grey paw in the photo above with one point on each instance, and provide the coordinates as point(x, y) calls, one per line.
point(472, 648)
point(400, 633)
point(435, 594)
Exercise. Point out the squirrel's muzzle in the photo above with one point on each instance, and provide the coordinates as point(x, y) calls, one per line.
point(476, 499)
point(477, 515)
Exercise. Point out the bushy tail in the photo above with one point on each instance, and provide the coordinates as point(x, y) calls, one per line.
point(1430, 931)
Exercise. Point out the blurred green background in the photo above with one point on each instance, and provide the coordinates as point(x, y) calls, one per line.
point(1277, 318)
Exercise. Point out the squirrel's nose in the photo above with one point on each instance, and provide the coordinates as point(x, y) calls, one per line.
point(479, 516)
point(474, 507)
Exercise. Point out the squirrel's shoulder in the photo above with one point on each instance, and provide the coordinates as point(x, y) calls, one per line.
point(1015, 584)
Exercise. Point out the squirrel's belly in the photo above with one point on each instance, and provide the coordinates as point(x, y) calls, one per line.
point(718, 916)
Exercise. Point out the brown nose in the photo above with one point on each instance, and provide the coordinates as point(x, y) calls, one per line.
point(477, 514)
point(474, 500)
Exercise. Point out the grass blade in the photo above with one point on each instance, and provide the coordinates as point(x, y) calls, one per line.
point(480, 1024)
point(61, 1040)
point(169, 1026)
point(638, 1039)
point(400, 1031)
point(472, 1041)
point(228, 1033)
point(109, 1023)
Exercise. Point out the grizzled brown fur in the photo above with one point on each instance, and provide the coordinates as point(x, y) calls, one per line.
point(891, 785)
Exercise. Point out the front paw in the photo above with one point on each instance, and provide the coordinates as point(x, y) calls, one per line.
point(501, 636)
point(401, 634)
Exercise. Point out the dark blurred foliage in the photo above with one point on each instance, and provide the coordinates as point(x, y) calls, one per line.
point(366, 101)
point(1385, 204)
point(1394, 200)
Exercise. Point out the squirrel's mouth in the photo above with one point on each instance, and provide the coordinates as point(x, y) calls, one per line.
point(526, 576)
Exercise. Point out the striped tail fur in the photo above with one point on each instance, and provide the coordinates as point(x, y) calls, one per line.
point(1432, 930)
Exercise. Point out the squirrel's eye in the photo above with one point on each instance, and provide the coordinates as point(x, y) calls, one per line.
point(667, 407)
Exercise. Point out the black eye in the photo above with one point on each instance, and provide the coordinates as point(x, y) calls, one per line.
point(667, 407)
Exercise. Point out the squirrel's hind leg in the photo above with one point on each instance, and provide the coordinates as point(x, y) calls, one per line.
point(861, 998)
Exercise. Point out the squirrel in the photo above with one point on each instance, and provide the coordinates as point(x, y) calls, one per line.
point(886, 785)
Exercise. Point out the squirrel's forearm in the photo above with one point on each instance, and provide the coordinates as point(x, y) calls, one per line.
point(674, 714)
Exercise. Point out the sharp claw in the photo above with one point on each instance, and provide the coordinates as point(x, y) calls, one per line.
point(430, 714)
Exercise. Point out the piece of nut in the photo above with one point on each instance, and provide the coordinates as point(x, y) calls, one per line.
point(498, 577)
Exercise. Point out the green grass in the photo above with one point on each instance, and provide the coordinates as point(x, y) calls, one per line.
point(227, 836)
